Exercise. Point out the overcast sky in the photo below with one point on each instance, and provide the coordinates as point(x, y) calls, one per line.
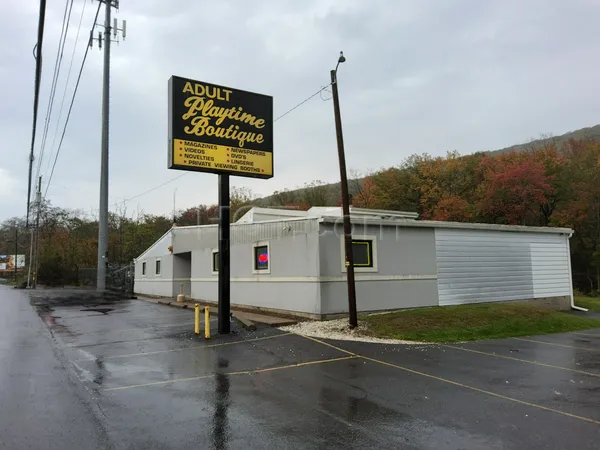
point(420, 76)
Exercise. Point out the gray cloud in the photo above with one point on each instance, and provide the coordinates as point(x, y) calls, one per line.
point(420, 76)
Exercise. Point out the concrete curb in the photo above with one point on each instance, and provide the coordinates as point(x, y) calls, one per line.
point(244, 322)
point(239, 316)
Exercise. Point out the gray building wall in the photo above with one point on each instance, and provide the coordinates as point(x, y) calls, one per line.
point(406, 269)
point(416, 264)
point(292, 284)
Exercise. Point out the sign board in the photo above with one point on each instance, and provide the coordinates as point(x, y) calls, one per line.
point(219, 129)
point(7, 262)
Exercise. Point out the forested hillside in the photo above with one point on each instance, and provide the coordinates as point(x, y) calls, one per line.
point(552, 183)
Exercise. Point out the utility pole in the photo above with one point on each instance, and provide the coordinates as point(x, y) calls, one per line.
point(16, 251)
point(36, 96)
point(103, 214)
point(31, 234)
point(352, 314)
point(38, 201)
point(31, 271)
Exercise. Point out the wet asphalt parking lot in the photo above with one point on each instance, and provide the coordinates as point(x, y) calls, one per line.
point(153, 384)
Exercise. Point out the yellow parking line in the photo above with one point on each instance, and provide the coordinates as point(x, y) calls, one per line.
point(586, 334)
point(156, 383)
point(183, 349)
point(524, 360)
point(455, 383)
point(557, 345)
point(244, 372)
point(327, 344)
point(148, 327)
point(483, 391)
point(291, 366)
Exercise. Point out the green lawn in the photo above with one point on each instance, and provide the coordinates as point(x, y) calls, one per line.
point(591, 303)
point(473, 322)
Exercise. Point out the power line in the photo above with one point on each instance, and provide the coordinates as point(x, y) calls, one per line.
point(302, 102)
point(186, 173)
point(66, 85)
point(38, 76)
point(59, 53)
point(70, 106)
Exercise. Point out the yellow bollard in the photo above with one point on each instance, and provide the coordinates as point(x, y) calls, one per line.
point(197, 318)
point(206, 322)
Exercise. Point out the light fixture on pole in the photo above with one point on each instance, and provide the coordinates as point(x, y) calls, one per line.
point(352, 314)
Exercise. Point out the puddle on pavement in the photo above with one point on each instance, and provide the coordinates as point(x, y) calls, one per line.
point(104, 311)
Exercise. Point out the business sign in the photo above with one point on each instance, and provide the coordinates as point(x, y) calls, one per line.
point(219, 129)
point(7, 262)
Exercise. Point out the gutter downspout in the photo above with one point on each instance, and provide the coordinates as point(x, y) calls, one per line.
point(578, 308)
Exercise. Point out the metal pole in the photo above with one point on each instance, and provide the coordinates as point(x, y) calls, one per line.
point(37, 233)
point(16, 251)
point(206, 322)
point(103, 213)
point(224, 272)
point(31, 231)
point(38, 77)
point(353, 319)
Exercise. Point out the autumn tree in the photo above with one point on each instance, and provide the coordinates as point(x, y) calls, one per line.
point(515, 189)
point(366, 197)
point(315, 193)
point(579, 208)
point(448, 186)
point(398, 188)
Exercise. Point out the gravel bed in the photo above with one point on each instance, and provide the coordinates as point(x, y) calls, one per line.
point(339, 330)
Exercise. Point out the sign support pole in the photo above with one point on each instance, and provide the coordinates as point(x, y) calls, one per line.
point(224, 256)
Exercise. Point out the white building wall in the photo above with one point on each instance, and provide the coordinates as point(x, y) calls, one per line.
point(151, 283)
point(486, 266)
point(550, 262)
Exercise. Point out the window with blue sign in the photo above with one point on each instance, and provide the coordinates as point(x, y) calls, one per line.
point(261, 257)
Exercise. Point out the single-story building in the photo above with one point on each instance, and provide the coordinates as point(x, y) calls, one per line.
point(294, 262)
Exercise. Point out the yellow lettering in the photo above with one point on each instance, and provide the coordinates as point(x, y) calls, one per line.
point(214, 92)
point(199, 90)
point(205, 118)
point(247, 118)
point(198, 125)
point(194, 104)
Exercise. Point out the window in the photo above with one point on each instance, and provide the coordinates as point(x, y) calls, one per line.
point(215, 262)
point(144, 268)
point(261, 258)
point(364, 252)
point(157, 267)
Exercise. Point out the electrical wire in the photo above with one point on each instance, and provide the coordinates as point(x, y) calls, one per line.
point(302, 103)
point(59, 54)
point(36, 94)
point(187, 173)
point(70, 107)
point(62, 103)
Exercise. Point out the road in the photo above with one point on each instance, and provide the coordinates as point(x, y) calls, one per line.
point(41, 406)
point(131, 374)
